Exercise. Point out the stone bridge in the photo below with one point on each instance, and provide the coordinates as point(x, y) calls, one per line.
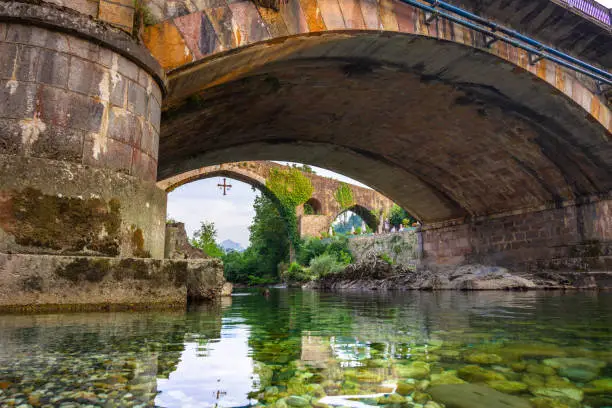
point(501, 148)
point(367, 202)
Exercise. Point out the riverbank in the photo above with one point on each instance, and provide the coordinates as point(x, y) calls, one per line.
point(374, 273)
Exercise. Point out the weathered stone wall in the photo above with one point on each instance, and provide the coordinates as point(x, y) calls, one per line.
point(40, 281)
point(177, 243)
point(314, 225)
point(64, 98)
point(401, 247)
point(119, 13)
point(577, 237)
point(67, 208)
point(79, 131)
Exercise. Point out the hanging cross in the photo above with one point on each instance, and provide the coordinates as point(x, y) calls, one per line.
point(225, 186)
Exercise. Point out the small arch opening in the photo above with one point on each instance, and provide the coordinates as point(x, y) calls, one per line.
point(312, 207)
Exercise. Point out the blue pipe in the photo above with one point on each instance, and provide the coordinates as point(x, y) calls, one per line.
point(584, 68)
point(515, 34)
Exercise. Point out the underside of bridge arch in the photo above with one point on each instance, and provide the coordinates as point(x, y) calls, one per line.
point(444, 130)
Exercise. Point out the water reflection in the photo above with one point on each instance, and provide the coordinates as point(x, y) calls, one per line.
point(256, 349)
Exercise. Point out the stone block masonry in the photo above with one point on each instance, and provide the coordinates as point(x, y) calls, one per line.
point(39, 282)
point(79, 135)
point(576, 236)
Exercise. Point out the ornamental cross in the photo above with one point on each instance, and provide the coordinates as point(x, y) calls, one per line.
point(225, 186)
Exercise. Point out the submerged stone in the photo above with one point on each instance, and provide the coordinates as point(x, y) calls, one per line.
point(474, 396)
point(295, 401)
point(418, 370)
point(578, 374)
point(508, 387)
point(474, 373)
point(483, 358)
point(447, 377)
point(405, 388)
point(543, 402)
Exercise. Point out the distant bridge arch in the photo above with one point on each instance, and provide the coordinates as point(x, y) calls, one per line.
point(322, 200)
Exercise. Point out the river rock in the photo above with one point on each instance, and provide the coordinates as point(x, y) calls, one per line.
point(543, 402)
point(474, 396)
point(474, 373)
point(417, 370)
point(559, 393)
point(447, 377)
point(508, 387)
point(600, 386)
point(578, 362)
point(578, 374)
point(483, 358)
point(405, 388)
point(295, 401)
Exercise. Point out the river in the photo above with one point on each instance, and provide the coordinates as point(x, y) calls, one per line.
point(300, 348)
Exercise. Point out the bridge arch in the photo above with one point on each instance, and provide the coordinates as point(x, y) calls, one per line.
point(445, 130)
point(366, 214)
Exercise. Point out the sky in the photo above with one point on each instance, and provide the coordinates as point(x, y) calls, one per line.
point(607, 3)
point(232, 214)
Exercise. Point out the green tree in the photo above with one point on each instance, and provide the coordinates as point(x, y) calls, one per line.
point(269, 246)
point(204, 238)
point(344, 196)
point(398, 216)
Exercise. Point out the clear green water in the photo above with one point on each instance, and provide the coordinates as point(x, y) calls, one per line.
point(547, 349)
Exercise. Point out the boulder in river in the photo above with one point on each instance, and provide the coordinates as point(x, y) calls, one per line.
point(474, 396)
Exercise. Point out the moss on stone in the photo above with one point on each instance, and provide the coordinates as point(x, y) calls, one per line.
point(84, 269)
point(67, 224)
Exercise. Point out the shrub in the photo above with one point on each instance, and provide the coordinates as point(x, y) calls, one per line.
point(338, 247)
point(386, 258)
point(310, 248)
point(296, 273)
point(324, 265)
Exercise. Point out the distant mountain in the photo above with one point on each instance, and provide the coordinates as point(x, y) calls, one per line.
point(229, 245)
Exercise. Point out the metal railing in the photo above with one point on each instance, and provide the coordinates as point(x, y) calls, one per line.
point(591, 8)
point(494, 32)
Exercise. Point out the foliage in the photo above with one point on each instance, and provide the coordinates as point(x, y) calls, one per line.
point(308, 210)
point(338, 247)
point(317, 258)
point(324, 265)
point(344, 196)
point(399, 216)
point(296, 273)
point(269, 247)
point(291, 188)
point(304, 168)
point(310, 248)
point(385, 257)
point(204, 239)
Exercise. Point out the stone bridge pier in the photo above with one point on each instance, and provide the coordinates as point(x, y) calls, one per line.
point(79, 128)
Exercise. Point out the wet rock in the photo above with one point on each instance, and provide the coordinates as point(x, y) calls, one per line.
point(418, 370)
point(447, 377)
point(508, 387)
point(542, 402)
point(559, 393)
point(391, 399)
point(474, 373)
point(600, 386)
point(420, 397)
point(540, 369)
point(578, 374)
point(474, 396)
point(483, 358)
point(295, 401)
point(405, 388)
